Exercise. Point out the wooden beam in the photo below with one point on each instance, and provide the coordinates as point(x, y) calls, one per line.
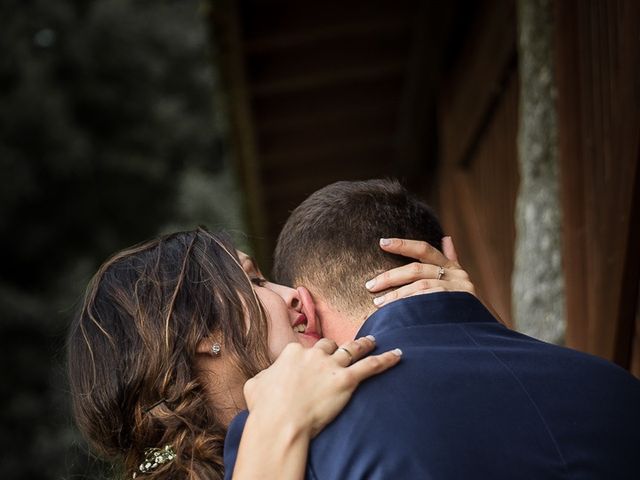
point(480, 76)
point(283, 122)
point(417, 147)
point(226, 30)
point(572, 186)
point(331, 101)
point(330, 156)
point(290, 189)
point(279, 40)
point(261, 18)
point(599, 131)
point(369, 73)
point(629, 301)
point(324, 135)
point(330, 56)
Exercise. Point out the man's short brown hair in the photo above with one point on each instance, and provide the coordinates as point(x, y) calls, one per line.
point(330, 241)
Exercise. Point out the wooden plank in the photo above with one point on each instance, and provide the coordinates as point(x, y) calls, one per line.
point(330, 56)
point(627, 345)
point(261, 18)
point(599, 124)
point(336, 159)
point(277, 40)
point(477, 116)
point(608, 169)
point(635, 342)
point(329, 135)
point(417, 146)
point(331, 103)
point(286, 186)
point(477, 80)
point(330, 119)
point(456, 203)
point(223, 16)
point(317, 80)
point(569, 111)
point(484, 214)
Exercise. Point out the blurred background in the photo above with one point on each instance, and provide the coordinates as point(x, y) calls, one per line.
point(519, 120)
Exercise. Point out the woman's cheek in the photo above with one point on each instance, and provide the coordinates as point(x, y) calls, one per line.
point(279, 337)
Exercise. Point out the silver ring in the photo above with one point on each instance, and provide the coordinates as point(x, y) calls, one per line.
point(440, 273)
point(348, 353)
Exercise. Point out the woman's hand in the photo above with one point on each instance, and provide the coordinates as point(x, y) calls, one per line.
point(307, 387)
point(434, 271)
point(295, 398)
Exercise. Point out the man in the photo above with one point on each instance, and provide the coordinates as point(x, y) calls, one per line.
point(470, 399)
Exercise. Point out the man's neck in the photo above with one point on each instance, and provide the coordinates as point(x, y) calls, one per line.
point(339, 325)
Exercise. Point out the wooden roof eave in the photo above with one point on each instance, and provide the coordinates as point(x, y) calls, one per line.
point(229, 54)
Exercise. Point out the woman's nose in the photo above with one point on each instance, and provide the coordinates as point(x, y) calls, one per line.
point(290, 296)
point(293, 299)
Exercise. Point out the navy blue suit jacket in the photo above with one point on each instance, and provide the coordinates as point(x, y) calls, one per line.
point(472, 399)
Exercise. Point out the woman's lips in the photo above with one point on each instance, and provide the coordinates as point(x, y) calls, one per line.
point(305, 324)
point(301, 327)
point(302, 319)
point(314, 335)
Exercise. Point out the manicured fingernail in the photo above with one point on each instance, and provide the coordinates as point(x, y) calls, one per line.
point(385, 242)
point(397, 352)
point(371, 337)
point(369, 285)
point(378, 300)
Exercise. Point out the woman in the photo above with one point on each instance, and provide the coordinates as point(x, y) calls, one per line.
point(169, 333)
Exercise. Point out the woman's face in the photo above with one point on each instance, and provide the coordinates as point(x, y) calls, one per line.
point(290, 312)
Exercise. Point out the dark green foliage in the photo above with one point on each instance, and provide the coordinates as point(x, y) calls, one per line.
point(105, 121)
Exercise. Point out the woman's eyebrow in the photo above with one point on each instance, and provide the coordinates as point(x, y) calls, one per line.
point(252, 265)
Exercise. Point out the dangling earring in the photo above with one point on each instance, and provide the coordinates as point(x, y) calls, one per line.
point(215, 349)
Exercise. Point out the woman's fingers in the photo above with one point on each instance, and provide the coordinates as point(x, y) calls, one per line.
point(422, 251)
point(373, 365)
point(310, 386)
point(425, 286)
point(353, 351)
point(327, 345)
point(413, 249)
point(352, 356)
point(449, 250)
point(410, 273)
point(434, 272)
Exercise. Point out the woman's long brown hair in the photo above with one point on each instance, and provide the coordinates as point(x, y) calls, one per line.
point(133, 346)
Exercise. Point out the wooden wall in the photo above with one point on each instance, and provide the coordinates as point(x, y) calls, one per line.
point(314, 90)
point(598, 80)
point(598, 76)
point(478, 182)
point(327, 90)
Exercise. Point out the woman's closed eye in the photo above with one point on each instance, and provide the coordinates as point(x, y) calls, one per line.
point(259, 281)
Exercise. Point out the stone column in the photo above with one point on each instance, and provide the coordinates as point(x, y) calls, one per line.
point(538, 282)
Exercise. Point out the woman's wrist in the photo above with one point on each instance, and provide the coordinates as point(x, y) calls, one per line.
point(287, 425)
point(272, 447)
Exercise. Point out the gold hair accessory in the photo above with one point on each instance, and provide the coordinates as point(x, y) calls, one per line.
point(154, 457)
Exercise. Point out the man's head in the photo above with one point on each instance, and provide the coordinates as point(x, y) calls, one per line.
point(330, 245)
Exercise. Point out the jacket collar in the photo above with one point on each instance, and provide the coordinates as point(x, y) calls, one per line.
point(429, 309)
